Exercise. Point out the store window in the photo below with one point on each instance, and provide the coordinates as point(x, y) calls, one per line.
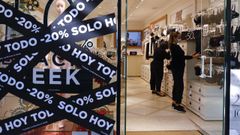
point(60, 67)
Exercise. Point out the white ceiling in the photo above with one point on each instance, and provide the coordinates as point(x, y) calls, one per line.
point(146, 9)
point(139, 11)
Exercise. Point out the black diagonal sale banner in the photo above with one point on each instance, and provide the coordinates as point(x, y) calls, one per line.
point(25, 23)
point(40, 117)
point(57, 104)
point(76, 11)
point(15, 47)
point(79, 30)
point(44, 43)
point(59, 37)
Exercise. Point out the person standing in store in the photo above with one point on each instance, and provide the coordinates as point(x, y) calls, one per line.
point(157, 67)
point(177, 66)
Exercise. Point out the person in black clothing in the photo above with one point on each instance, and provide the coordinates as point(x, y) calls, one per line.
point(157, 67)
point(151, 46)
point(177, 66)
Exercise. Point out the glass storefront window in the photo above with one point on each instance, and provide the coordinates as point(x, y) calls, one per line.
point(92, 46)
point(83, 65)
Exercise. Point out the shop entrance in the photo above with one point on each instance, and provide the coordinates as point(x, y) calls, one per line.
point(201, 26)
point(131, 55)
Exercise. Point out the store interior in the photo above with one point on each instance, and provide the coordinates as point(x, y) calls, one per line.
point(203, 93)
point(141, 110)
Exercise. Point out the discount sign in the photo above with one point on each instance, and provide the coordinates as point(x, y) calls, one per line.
point(59, 37)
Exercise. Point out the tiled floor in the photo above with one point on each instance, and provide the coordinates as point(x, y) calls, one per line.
point(148, 112)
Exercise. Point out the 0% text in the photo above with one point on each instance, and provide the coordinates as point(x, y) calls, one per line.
point(84, 100)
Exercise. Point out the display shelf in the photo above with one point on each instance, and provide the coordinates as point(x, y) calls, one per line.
point(205, 99)
point(145, 72)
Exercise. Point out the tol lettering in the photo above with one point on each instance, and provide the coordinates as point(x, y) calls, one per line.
point(41, 115)
point(106, 70)
point(16, 123)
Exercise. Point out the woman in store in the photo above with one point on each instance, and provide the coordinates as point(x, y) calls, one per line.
point(177, 66)
point(157, 65)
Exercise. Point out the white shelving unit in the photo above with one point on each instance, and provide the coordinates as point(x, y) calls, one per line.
point(205, 99)
point(145, 72)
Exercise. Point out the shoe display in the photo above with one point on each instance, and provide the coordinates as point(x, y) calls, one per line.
point(179, 108)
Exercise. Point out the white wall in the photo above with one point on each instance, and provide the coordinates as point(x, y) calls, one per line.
point(202, 4)
point(109, 39)
point(187, 6)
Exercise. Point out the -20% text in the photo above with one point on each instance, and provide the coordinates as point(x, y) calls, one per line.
point(55, 36)
point(27, 24)
point(40, 95)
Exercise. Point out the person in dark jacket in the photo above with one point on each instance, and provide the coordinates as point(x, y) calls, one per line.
point(177, 67)
point(157, 67)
